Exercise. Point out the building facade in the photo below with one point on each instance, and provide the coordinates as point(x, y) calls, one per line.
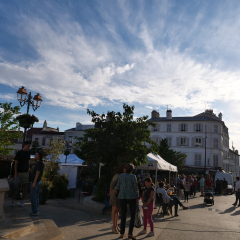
point(71, 134)
point(194, 136)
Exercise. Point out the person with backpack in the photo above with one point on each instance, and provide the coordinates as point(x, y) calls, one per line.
point(148, 206)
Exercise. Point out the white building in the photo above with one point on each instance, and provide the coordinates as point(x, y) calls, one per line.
point(234, 159)
point(71, 134)
point(190, 134)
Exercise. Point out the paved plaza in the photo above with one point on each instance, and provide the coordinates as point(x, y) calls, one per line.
point(221, 221)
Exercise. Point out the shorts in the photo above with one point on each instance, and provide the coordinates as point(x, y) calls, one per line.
point(201, 188)
point(23, 177)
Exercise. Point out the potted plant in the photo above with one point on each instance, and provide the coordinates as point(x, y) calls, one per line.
point(44, 191)
point(26, 120)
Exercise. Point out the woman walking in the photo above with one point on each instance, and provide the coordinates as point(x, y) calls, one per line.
point(36, 184)
point(187, 187)
point(148, 206)
point(114, 202)
point(128, 195)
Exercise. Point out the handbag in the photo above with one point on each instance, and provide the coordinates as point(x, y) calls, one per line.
point(138, 218)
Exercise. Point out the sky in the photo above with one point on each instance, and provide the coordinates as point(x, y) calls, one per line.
point(97, 55)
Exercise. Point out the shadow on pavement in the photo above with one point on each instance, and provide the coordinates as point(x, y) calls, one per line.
point(228, 210)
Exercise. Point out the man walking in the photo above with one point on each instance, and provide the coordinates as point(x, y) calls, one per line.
point(225, 185)
point(208, 182)
point(237, 190)
point(21, 170)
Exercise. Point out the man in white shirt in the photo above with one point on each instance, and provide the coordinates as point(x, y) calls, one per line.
point(237, 190)
point(168, 200)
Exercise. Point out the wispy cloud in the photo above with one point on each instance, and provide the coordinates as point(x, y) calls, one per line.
point(152, 54)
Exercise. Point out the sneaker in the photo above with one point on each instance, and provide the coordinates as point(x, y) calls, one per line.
point(22, 203)
point(13, 203)
point(185, 208)
point(150, 234)
point(33, 214)
point(143, 232)
point(176, 215)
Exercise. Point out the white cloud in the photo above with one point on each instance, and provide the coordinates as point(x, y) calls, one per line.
point(7, 97)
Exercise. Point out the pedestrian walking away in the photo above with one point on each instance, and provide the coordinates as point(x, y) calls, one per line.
point(21, 168)
point(36, 184)
point(128, 195)
point(187, 187)
point(237, 190)
point(148, 206)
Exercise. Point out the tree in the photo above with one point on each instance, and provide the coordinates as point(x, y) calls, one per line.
point(35, 148)
point(171, 156)
point(8, 126)
point(53, 149)
point(116, 139)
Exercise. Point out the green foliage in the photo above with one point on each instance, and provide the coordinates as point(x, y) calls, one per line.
point(27, 117)
point(53, 150)
point(171, 156)
point(35, 148)
point(46, 185)
point(102, 184)
point(8, 124)
point(116, 139)
point(60, 184)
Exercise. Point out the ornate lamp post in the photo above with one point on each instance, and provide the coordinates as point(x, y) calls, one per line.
point(24, 98)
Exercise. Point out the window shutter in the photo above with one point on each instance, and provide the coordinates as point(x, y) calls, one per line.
point(194, 127)
point(179, 127)
point(186, 127)
point(196, 159)
point(177, 141)
point(187, 142)
point(201, 127)
point(193, 140)
point(158, 127)
point(203, 142)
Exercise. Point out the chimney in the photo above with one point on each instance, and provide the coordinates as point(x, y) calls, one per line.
point(78, 126)
point(169, 114)
point(220, 116)
point(155, 114)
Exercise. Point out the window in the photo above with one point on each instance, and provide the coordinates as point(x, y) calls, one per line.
point(169, 140)
point(215, 160)
point(70, 138)
point(215, 143)
point(216, 128)
point(43, 141)
point(198, 128)
point(156, 139)
point(198, 142)
point(183, 142)
point(168, 127)
point(156, 128)
point(36, 139)
point(197, 159)
point(183, 127)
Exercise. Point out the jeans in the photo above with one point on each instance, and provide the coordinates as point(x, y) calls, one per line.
point(132, 207)
point(176, 202)
point(34, 193)
point(147, 213)
point(106, 206)
point(194, 190)
point(237, 198)
point(186, 195)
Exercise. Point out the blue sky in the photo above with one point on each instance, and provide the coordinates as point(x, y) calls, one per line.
point(99, 54)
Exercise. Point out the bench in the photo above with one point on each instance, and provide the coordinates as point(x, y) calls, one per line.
point(4, 187)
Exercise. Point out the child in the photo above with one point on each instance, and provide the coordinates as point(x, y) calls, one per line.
point(187, 189)
point(148, 205)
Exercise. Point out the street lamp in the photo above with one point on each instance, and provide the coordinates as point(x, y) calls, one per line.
point(24, 98)
point(205, 149)
point(67, 144)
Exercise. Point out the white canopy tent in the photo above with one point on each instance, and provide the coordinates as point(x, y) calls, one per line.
point(155, 162)
point(70, 168)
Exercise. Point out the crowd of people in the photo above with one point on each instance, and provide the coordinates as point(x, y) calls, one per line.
point(127, 189)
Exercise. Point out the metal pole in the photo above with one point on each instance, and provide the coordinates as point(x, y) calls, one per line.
point(205, 149)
